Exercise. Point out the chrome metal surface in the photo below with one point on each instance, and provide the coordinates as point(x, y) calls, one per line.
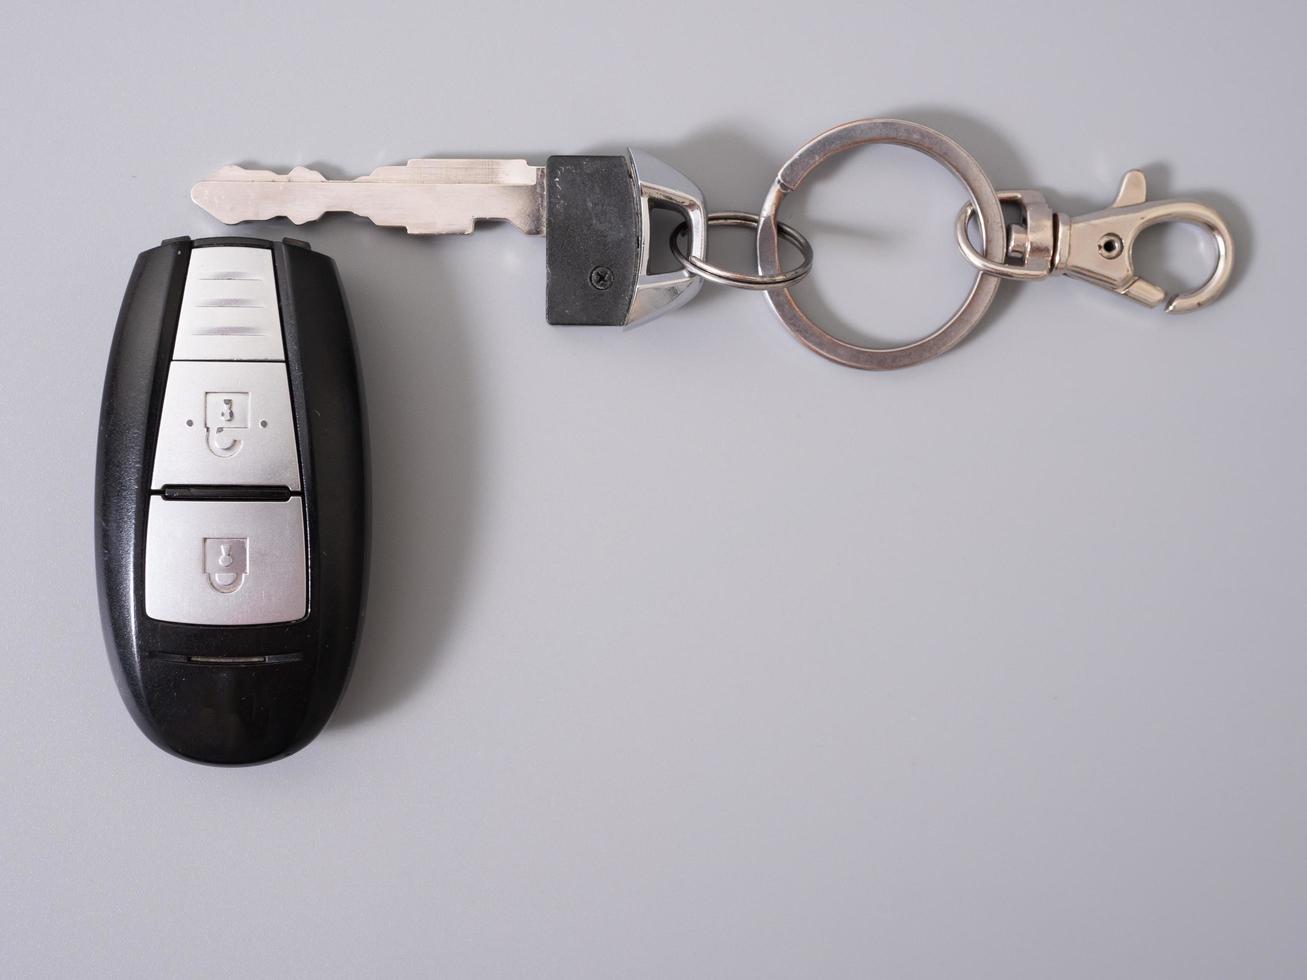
point(935, 145)
point(742, 280)
point(225, 562)
point(659, 185)
point(425, 197)
point(229, 307)
point(226, 423)
point(1099, 247)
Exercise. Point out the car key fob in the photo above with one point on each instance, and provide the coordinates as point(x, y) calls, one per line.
point(231, 497)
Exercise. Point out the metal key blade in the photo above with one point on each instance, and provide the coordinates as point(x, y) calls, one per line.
point(425, 197)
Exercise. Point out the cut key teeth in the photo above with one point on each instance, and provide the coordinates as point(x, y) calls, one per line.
point(425, 197)
point(234, 194)
point(235, 172)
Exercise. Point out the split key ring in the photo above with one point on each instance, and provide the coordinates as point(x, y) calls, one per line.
point(742, 280)
point(933, 144)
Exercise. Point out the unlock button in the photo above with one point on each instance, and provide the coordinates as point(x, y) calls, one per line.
point(227, 423)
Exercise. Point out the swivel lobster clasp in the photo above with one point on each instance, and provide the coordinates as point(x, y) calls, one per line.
point(1099, 247)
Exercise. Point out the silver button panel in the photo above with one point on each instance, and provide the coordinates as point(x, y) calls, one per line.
point(226, 420)
point(225, 562)
point(229, 307)
point(226, 423)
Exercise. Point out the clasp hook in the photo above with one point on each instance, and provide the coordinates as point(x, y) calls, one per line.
point(1099, 247)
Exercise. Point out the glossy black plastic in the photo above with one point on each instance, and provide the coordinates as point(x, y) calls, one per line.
point(255, 692)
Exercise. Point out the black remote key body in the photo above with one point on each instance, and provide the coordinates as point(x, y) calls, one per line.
point(231, 497)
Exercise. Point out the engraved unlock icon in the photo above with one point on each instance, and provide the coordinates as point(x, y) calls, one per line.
point(225, 413)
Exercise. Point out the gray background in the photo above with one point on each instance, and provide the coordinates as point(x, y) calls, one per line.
point(688, 652)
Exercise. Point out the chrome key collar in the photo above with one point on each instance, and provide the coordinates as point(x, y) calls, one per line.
point(659, 185)
point(935, 145)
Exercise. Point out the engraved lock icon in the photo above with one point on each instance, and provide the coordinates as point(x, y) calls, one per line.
point(226, 562)
point(226, 413)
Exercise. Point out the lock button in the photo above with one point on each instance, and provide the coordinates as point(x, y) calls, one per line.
point(225, 562)
point(226, 423)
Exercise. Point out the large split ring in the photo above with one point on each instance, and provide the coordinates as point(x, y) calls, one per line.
point(933, 144)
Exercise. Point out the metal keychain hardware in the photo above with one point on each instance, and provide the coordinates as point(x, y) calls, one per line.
point(742, 280)
point(1099, 247)
point(595, 214)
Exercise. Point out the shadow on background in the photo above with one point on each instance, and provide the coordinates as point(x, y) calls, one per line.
point(421, 385)
point(421, 391)
point(421, 396)
point(1180, 256)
